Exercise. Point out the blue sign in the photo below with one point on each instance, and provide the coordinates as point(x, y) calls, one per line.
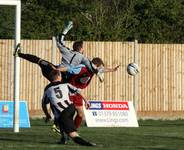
point(95, 105)
point(7, 112)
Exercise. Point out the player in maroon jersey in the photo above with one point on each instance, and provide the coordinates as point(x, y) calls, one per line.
point(81, 80)
point(80, 77)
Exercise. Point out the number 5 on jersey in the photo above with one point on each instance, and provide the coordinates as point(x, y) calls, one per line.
point(58, 92)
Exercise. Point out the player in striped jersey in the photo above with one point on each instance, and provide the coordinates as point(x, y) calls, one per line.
point(80, 77)
point(57, 95)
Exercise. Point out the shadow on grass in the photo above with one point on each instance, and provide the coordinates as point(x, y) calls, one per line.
point(153, 148)
point(25, 140)
point(161, 123)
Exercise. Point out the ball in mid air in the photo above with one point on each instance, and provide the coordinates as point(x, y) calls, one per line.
point(132, 69)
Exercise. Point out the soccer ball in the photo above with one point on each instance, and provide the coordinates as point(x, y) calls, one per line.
point(132, 69)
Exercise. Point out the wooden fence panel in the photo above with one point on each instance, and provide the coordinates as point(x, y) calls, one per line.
point(159, 86)
point(6, 66)
point(161, 78)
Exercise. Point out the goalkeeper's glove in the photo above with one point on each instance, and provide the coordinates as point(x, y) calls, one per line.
point(68, 27)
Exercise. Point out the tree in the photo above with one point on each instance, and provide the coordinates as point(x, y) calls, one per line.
point(7, 23)
point(148, 21)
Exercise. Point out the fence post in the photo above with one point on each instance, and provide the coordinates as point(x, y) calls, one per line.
point(136, 92)
point(53, 53)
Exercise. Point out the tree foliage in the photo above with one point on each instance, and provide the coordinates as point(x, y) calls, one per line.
point(149, 21)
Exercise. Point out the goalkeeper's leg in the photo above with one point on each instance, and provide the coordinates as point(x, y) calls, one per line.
point(67, 27)
point(60, 37)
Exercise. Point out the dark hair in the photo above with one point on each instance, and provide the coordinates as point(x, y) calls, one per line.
point(97, 61)
point(53, 75)
point(77, 45)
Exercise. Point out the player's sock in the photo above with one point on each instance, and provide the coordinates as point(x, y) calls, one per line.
point(78, 121)
point(83, 142)
point(63, 138)
point(60, 39)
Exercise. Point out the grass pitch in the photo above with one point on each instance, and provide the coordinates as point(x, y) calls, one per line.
point(151, 135)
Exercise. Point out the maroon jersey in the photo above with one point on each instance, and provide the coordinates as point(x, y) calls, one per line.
point(81, 79)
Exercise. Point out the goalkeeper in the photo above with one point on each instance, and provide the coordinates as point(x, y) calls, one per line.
point(74, 57)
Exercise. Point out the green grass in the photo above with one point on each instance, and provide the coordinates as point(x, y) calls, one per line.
point(151, 135)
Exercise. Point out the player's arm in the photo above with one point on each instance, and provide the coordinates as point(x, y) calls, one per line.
point(111, 69)
point(70, 69)
point(63, 69)
point(45, 109)
point(74, 90)
point(103, 70)
point(86, 102)
point(87, 63)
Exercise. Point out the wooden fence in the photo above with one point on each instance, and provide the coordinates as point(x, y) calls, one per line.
point(157, 91)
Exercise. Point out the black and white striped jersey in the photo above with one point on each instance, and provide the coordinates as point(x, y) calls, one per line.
point(57, 94)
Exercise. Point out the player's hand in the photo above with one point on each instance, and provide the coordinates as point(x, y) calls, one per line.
point(48, 118)
point(87, 105)
point(116, 68)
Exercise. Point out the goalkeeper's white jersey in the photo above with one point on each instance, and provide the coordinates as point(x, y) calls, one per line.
point(57, 94)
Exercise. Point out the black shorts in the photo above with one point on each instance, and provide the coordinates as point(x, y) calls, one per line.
point(46, 68)
point(66, 121)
